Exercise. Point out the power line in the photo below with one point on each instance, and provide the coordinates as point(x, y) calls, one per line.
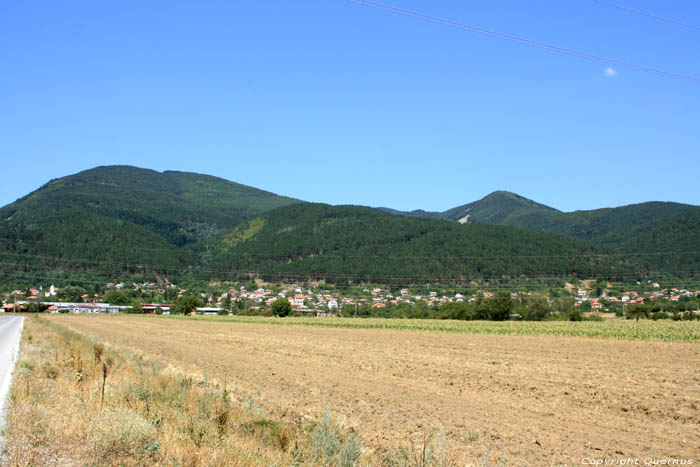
point(114, 268)
point(521, 40)
point(138, 265)
point(378, 278)
point(446, 284)
point(307, 255)
point(648, 15)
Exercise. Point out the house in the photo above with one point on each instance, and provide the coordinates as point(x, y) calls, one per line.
point(89, 308)
point(208, 310)
point(151, 307)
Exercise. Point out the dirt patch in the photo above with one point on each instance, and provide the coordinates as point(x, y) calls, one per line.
point(537, 399)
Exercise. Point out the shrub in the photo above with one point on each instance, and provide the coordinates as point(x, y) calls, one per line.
point(576, 315)
point(136, 308)
point(27, 365)
point(281, 307)
point(330, 447)
point(267, 430)
point(121, 432)
point(595, 317)
point(186, 304)
point(50, 370)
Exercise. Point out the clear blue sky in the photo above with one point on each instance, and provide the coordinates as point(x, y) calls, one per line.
point(326, 100)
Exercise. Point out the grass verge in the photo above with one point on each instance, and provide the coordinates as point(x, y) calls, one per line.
point(76, 401)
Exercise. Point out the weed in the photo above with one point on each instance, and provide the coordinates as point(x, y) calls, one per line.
point(26, 366)
point(486, 461)
point(330, 447)
point(106, 367)
point(98, 350)
point(50, 370)
point(268, 431)
point(430, 453)
point(120, 432)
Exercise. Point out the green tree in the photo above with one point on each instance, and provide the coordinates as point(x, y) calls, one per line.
point(136, 308)
point(501, 306)
point(187, 304)
point(170, 294)
point(281, 307)
point(116, 297)
point(71, 293)
point(36, 307)
point(637, 310)
point(537, 308)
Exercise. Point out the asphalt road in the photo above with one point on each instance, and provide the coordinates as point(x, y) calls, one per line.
point(10, 333)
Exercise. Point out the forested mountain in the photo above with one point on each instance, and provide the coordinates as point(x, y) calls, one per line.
point(495, 208)
point(181, 207)
point(415, 213)
point(120, 220)
point(322, 241)
point(652, 229)
point(122, 215)
point(618, 227)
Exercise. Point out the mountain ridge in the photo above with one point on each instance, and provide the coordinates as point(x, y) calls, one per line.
point(112, 219)
point(625, 227)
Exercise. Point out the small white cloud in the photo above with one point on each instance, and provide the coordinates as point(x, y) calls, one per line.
point(610, 72)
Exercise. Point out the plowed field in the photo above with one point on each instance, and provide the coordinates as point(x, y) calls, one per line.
point(538, 400)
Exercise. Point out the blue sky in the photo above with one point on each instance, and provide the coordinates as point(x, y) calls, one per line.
point(326, 100)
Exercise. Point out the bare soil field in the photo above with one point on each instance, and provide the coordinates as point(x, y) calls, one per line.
point(535, 400)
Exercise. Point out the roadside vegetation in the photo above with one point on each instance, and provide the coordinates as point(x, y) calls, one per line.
point(76, 401)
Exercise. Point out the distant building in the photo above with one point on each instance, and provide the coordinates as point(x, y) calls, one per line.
point(89, 308)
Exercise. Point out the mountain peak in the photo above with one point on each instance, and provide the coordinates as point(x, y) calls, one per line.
point(494, 208)
point(509, 196)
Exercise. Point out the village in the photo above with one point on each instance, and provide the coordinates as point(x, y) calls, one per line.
point(154, 298)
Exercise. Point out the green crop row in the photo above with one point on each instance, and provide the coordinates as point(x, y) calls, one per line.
point(684, 331)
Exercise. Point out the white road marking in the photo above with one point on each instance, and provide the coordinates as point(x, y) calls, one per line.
point(10, 334)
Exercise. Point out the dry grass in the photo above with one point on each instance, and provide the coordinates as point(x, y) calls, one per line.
point(150, 414)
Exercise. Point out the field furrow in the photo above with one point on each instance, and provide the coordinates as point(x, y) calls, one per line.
point(535, 399)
